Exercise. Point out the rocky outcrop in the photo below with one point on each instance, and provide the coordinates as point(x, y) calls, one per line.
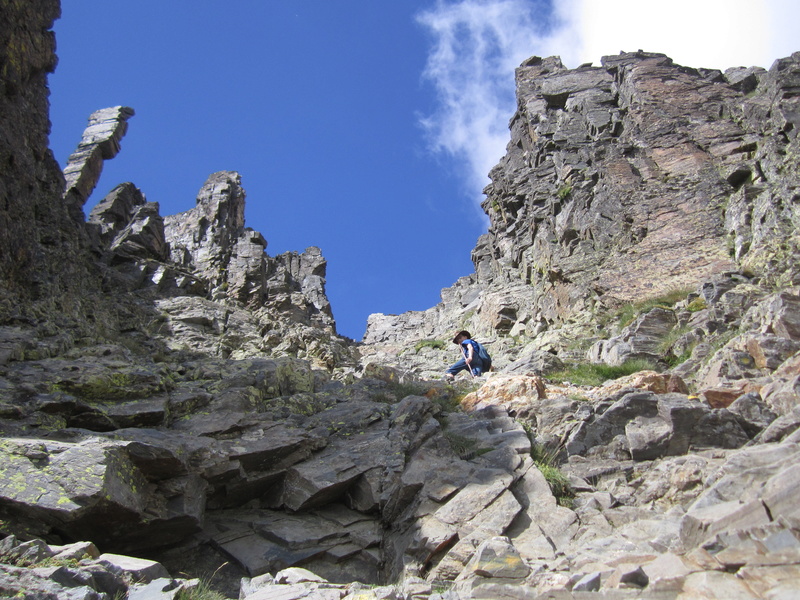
point(211, 286)
point(129, 226)
point(581, 141)
point(212, 241)
point(268, 465)
point(100, 142)
point(203, 238)
point(74, 280)
point(41, 252)
point(620, 183)
point(78, 571)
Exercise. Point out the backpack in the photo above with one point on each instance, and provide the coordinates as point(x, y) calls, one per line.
point(484, 356)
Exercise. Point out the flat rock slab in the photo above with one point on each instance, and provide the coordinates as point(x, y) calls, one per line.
point(267, 541)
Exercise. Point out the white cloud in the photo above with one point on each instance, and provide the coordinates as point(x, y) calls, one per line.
point(478, 43)
point(696, 33)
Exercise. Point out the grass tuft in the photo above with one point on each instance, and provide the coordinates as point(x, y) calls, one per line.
point(596, 374)
point(202, 591)
point(546, 460)
point(435, 344)
point(697, 304)
point(466, 448)
point(626, 314)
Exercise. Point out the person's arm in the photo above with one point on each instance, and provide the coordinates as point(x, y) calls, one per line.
point(470, 351)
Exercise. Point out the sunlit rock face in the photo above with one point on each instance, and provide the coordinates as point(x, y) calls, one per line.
point(640, 176)
point(625, 181)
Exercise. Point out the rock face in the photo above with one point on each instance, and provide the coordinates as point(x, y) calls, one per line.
point(40, 246)
point(212, 241)
point(268, 465)
point(212, 285)
point(623, 182)
point(129, 226)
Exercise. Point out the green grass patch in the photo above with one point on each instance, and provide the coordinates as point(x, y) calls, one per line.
point(466, 448)
point(667, 346)
point(448, 403)
point(596, 374)
point(697, 304)
point(202, 591)
point(435, 344)
point(541, 454)
point(673, 336)
point(626, 314)
point(675, 360)
point(558, 482)
point(546, 460)
point(29, 563)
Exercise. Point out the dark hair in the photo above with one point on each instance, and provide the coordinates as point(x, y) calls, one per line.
point(465, 333)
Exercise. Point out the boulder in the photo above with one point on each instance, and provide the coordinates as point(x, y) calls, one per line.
point(512, 392)
point(334, 542)
point(53, 489)
point(496, 558)
point(134, 569)
point(752, 413)
point(642, 339)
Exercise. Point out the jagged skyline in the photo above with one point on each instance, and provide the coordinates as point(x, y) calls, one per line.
point(365, 130)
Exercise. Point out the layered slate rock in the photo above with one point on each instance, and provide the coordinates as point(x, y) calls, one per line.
point(203, 237)
point(203, 450)
point(129, 226)
point(210, 279)
point(357, 482)
point(212, 241)
point(79, 572)
point(96, 491)
point(100, 142)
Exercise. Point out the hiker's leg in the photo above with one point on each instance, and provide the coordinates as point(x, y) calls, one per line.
point(477, 366)
point(457, 367)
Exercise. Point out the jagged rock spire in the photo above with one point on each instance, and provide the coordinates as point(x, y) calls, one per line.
point(211, 240)
point(100, 141)
point(202, 238)
point(129, 225)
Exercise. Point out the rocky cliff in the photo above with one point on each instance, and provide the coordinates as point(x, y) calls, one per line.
point(624, 182)
point(40, 242)
point(128, 270)
point(175, 403)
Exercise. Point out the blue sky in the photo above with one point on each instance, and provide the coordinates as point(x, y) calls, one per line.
point(364, 127)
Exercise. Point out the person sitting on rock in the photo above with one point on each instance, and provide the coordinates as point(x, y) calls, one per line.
point(469, 357)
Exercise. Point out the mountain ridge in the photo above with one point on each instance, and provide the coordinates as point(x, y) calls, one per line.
point(171, 392)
